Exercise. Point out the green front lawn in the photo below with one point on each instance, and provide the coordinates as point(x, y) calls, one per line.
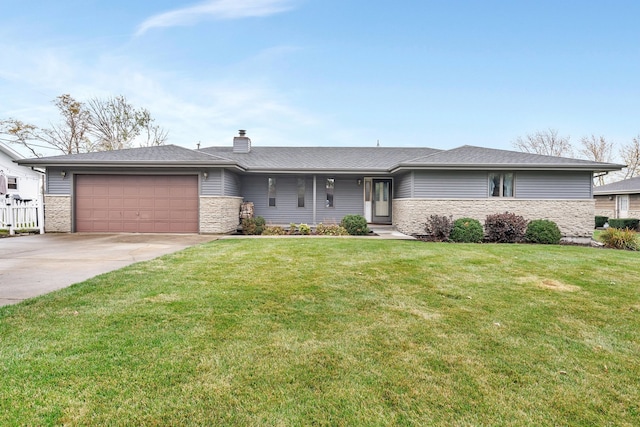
point(334, 332)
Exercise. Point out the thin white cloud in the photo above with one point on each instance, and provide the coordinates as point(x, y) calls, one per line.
point(215, 9)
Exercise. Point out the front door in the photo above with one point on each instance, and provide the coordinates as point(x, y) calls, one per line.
point(623, 206)
point(382, 194)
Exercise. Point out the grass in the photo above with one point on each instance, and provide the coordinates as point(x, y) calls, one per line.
point(333, 332)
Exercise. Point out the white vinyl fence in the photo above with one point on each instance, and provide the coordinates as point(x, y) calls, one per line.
point(16, 214)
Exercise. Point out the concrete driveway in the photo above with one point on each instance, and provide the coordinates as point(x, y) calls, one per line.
point(38, 264)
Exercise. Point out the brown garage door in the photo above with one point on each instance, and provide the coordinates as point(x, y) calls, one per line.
point(136, 204)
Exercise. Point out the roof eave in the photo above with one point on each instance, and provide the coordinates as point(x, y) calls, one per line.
point(509, 166)
point(131, 164)
point(615, 192)
point(344, 171)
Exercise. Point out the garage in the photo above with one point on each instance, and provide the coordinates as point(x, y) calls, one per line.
point(136, 203)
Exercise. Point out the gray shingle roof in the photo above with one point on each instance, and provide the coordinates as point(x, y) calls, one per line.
point(326, 159)
point(164, 154)
point(469, 156)
point(626, 186)
point(321, 158)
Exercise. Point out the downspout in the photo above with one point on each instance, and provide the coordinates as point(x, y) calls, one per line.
point(314, 201)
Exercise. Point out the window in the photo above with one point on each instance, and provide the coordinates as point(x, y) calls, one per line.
point(330, 185)
point(272, 192)
point(501, 184)
point(12, 183)
point(301, 192)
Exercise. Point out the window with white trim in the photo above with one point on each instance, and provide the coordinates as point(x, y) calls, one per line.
point(12, 183)
point(501, 184)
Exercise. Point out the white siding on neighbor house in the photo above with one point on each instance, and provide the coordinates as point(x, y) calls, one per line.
point(553, 185)
point(348, 199)
point(450, 184)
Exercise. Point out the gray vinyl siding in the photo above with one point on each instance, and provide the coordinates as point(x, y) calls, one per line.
point(449, 185)
point(231, 184)
point(403, 186)
point(348, 199)
point(212, 186)
point(56, 183)
point(553, 185)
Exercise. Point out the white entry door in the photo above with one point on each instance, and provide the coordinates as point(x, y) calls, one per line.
point(623, 206)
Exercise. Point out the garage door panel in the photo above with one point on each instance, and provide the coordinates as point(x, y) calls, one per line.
point(139, 204)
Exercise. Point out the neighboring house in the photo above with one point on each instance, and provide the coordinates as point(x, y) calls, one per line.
point(19, 180)
point(619, 199)
point(175, 189)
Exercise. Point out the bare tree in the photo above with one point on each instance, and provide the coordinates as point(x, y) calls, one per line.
point(630, 154)
point(546, 142)
point(116, 124)
point(17, 132)
point(100, 125)
point(597, 149)
point(71, 135)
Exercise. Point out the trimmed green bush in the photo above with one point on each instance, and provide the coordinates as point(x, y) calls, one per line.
point(622, 223)
point(543, 231)
point(505, 228)
point(601, 220)
point(356, 225)
point(466, 230)
point(617, 238)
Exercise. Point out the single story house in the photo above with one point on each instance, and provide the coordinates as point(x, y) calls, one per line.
point(619, 199)
point(175, 189)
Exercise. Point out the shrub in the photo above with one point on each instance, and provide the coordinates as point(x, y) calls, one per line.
point(356, 225)
point(630, 223)
point(543, 231)
point(304, 229)
point(439, 227)
point(253, 226)
point(617, 238)
point(505, 228)
point(273, 230)
point(466, 230)
point(331, 230)
point(292, 228)
point(601, 220)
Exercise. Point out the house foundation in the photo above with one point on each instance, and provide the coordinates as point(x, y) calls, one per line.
point(219, 215)
point(57, 213)
point(575, 218)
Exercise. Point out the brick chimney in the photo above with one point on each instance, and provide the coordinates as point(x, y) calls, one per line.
point(241, 143)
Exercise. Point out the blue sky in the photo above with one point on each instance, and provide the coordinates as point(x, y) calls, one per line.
point(333, 73)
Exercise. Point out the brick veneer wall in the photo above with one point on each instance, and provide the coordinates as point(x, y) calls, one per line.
point(219, 215)
point(57, 214)
point(575, 218)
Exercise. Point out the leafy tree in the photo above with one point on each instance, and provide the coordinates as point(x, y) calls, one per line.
point(546, 142)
